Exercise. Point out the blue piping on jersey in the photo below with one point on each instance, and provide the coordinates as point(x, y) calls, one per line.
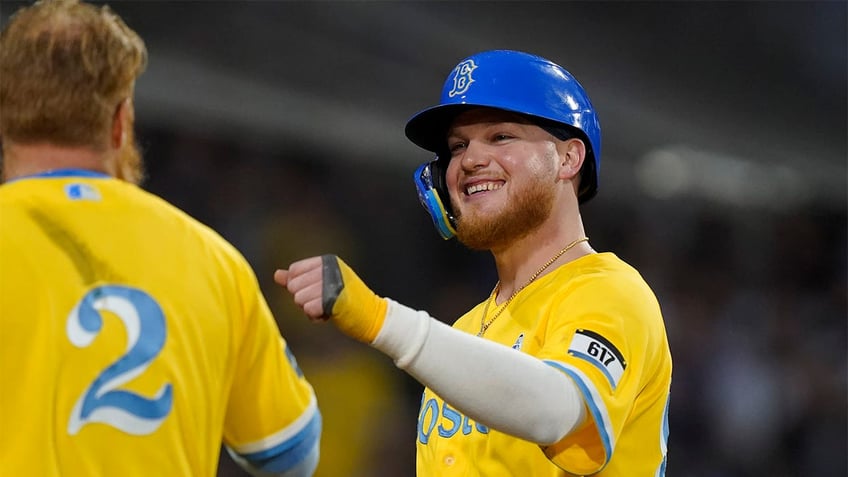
point(661, 469)
point(64, 173)
point(593, 407)
point(594, 362)
point(288, 454)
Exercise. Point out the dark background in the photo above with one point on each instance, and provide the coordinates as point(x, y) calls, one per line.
point(723, 180)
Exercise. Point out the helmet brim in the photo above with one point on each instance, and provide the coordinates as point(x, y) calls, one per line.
point(428, 128)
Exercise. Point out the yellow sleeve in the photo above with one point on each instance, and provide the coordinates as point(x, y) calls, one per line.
point(599, 337)
point(271, 404)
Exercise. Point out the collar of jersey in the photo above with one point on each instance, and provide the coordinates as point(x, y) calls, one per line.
point(64, 173)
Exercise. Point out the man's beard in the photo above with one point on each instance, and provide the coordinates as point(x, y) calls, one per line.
point(520, 216)
point(130, 166)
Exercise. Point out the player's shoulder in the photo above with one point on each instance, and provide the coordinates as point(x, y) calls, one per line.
point(602, 262)
point(605, 278)
point(17, 199)
point(128, 202)
point(604, 269)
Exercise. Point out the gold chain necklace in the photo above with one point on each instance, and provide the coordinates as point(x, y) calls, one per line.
point(484, 325)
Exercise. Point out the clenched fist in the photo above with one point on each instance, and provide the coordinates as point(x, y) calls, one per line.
point(327, 288)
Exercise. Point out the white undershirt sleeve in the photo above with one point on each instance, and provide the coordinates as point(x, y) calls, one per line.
point(493, 384)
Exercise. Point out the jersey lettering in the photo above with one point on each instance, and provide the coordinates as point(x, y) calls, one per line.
point(449, 420)
point(518, 342)
point(598, 351)
point(102, 401)
point(293, 362)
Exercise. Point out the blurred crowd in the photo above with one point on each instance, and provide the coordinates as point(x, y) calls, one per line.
point(754, 301)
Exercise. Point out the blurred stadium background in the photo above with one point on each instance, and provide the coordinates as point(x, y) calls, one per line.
point(723, 179)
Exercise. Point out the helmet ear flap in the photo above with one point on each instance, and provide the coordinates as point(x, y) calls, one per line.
point(433, 194)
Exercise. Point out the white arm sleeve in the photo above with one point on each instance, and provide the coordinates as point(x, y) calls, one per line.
point(493, 384)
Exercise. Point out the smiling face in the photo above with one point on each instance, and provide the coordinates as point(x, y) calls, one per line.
point(504, 177)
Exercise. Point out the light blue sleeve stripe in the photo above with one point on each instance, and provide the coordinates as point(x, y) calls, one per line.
point(664, 439)
point(291, 452)
point(661, 470)
point(594, 362)
point(591, 402)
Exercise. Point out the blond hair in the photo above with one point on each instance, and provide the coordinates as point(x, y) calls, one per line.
point(65, 66)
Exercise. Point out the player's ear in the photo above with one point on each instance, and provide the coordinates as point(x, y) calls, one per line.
point(122, 120)
point(572, 153)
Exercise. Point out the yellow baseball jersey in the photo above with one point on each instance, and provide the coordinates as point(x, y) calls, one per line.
point(133, 339)
point(597, 321)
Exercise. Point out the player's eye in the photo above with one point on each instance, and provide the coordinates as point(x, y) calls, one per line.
point(456, 147)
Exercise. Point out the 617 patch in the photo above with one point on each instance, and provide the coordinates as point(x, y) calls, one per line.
point(595, 349)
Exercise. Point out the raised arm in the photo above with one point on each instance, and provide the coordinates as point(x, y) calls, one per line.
point(544, 404)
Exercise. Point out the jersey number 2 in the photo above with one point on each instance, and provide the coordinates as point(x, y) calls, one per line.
point(102, 401)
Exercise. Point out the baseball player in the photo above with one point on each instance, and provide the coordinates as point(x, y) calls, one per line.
point(133, 339)
point(565, 368)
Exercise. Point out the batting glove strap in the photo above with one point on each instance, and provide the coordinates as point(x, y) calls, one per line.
point(356, 310)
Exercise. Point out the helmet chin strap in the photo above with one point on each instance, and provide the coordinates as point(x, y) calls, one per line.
point(427, 182)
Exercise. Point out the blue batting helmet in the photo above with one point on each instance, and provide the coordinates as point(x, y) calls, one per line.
point(512, 81)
